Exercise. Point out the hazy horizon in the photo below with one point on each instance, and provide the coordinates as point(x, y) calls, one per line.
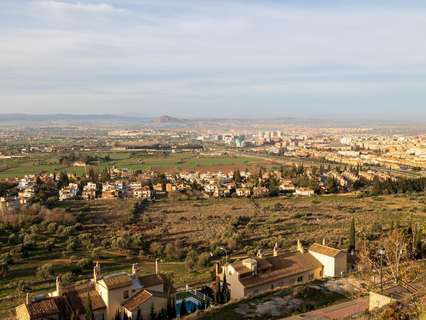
point(214, 59)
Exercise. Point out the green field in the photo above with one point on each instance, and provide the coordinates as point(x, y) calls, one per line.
point(41, 163)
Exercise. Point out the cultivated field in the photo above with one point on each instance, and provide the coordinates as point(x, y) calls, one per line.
point(43, 163)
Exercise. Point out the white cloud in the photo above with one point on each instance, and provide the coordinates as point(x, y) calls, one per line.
point(79, 6)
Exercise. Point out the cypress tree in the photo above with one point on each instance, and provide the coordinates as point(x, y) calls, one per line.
point(162, 315)
point(202, 305)
point(217, 293)
point(152, 315)
point(225, 296)
point(139, 315)
point(409, 235)
point(183, 310)
point(171, 307)
point(237, 176)
point(418, 245)
point(89, 310)
point(352, 235)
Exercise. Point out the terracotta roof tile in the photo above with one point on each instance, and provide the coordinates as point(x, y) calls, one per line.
point(327, 251)
point(116, 281)
point(79, 300)
point(139, 298)
point(282, 266)
point(42, 309)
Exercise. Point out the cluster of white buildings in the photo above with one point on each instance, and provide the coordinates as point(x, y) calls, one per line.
point(69, 192)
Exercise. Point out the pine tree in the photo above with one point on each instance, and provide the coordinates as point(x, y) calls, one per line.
point(352, 236)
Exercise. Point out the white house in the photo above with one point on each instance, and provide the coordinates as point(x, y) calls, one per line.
point(68, 192)
point(122, 292)
point(307, 192)
point(333, 260)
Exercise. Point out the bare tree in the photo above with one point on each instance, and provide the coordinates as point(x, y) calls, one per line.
point(397, 254)
point(397, 263)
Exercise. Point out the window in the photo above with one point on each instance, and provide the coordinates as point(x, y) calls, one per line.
point(126, 294)
point(311, 276)
point(272, 286)
point(299, 279)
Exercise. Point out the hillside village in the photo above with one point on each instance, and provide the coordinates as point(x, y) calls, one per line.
point(115, 183)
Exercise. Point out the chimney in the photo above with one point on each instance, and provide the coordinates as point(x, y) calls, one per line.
point(134, 269)
point(95, 275)
point(275, 250)
point(96, 272)
point(300, 247)
point(157, 271)
point(259, 254)
point(58, 286)
point(27, 299)
point(323, 241)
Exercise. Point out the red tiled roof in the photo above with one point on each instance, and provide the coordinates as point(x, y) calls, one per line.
point(41, 309)
point(282, 266)
point(116, 281)
point(327, 251)
point(139, 298)
point(79, 300)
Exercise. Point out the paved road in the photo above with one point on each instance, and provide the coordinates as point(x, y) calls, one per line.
point(337, 311)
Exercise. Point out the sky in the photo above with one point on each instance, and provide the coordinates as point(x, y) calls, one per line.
point(217, 58)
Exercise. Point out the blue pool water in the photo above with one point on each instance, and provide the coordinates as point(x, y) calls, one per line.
point(190, 307)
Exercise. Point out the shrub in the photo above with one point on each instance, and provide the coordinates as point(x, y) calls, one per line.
point(85, 263)
point(203, 260)
point(191, 260)
point(68, 278)
point(45, 271)
point(51, 227)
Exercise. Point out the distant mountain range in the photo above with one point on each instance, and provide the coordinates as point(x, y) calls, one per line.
point(23, 117)
point(167, 121)
point(63, 117)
